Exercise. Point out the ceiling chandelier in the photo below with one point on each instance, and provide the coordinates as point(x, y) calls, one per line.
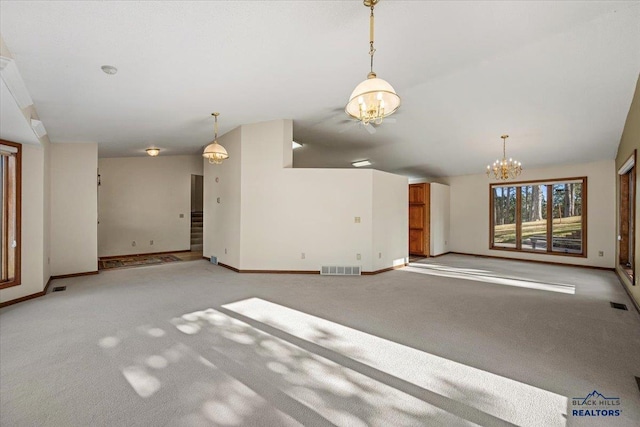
point(153, 152)
point(504, 169)
point(373, 99)
point(214, 151)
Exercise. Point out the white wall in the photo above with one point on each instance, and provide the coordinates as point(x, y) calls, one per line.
point(222, 220)
point(74, 209)
point(469, 228)
point(33, 224)
point(141, 199)
point(46, 211)
point(439, 219)
point(285, 212)
point(390, 220)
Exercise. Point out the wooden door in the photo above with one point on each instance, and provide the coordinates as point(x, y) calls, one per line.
point(419, 218)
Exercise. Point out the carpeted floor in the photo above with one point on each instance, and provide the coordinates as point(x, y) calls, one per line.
point(455, 340)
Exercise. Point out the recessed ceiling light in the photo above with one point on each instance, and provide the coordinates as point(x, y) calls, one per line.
point(109, 69)
point(295, 145)
point(361, 163)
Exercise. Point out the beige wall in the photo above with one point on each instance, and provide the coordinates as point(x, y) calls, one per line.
point(439, 217)
point(469, 227)
point(46, 201)
point(390, 220)
point(74, 208)
point(282, 212)
point(33, 251)
point(287, 212)
point(221, 232)
point(36, 212)
point(141, 199)
point(629, 142)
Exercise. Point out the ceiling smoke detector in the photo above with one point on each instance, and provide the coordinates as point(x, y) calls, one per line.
point(109, 69)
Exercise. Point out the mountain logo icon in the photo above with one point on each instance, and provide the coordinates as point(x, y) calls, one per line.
point(595, 394)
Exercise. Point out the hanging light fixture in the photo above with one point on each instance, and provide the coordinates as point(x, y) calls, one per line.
point(373, 99)
point(153, 151)
point(504, 169)
point(214, 151)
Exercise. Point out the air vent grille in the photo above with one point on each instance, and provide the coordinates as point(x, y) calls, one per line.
point(340, 270)
point(618, 305)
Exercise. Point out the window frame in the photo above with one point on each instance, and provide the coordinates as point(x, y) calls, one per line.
point(518, 222)
point(18, 213)
point(627, 169)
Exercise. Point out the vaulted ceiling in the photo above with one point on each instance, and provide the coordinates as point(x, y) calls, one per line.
point(558, 77)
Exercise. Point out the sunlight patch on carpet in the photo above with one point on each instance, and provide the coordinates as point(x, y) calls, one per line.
point(488, 277)
point(506, 399)
point(343, 396)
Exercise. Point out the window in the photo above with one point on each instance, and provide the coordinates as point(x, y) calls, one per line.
point(10, 192)
point(540, 216)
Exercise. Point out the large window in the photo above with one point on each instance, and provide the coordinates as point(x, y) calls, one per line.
point(10, 191)
point(540, 216)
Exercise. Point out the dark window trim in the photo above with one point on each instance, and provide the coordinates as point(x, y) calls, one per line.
point(18, 262)
point(632, 220)
point(549, 251)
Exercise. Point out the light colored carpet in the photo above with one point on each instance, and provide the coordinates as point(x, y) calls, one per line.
point(455, 340)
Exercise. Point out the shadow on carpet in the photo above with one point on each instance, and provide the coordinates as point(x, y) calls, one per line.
point(135, 261)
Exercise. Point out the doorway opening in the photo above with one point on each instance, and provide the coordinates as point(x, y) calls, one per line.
point(197, 220)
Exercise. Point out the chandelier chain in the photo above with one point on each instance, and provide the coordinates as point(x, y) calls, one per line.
point(215, 126)
point(372, 50)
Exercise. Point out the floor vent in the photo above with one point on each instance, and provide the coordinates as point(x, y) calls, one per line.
point(59, 289)
point(619, 306)
point(337, 270)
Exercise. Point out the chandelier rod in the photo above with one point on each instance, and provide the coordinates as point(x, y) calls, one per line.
point(504, 146)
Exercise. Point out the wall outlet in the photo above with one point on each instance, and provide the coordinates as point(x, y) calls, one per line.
point(225, 250)
point(357, 220)
point(151, 242)
point(181, 215)
point(358, 256)
point(600, 253)
point(133, 243)
point(302, 256)
point(379, 254)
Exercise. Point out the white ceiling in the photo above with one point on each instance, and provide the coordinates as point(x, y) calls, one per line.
point(556, 76)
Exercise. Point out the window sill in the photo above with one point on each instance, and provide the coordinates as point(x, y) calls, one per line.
point(6, 285)
point(524, 251)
